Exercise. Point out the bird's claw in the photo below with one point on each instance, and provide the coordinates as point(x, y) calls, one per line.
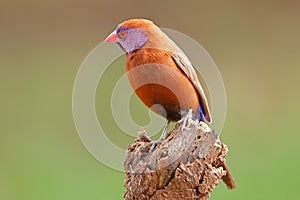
point(187, 121)
point(154, 144)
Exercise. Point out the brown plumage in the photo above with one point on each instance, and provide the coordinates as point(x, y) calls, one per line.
point(159, 71)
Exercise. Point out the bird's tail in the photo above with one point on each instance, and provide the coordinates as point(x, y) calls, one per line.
point(200, 115)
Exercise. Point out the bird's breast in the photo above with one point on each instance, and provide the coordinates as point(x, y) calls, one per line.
point(157, 81)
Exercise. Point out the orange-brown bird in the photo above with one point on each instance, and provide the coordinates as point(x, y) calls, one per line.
point(160, 72)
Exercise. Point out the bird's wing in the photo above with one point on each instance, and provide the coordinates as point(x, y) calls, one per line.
point(186, 66)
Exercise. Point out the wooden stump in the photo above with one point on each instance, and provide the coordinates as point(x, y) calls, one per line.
point(187, 164)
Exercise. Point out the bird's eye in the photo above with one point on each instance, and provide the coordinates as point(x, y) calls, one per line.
point(122, 33)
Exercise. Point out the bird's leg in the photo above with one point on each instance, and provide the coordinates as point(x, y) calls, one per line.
point(188, 120)
point(162, 136)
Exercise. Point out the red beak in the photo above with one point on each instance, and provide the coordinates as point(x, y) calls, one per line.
point(112, 37)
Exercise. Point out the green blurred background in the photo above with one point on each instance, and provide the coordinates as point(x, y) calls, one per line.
point(255, 44)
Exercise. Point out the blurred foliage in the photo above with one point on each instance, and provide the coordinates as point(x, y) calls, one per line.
point(254, 43)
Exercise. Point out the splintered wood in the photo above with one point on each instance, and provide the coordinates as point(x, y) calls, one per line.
point(187, 164)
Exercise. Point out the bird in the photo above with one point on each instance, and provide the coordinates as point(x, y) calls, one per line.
point(160, 73)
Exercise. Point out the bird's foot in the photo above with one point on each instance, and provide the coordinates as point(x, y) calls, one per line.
point(187, 121)
point(153, 145)
point(163, 134)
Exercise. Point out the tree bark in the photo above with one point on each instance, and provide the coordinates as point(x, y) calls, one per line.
point(187, 164)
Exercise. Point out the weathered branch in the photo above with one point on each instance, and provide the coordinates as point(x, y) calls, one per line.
point(185, 165)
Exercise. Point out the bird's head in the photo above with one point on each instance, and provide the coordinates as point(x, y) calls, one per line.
point(133, 34)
